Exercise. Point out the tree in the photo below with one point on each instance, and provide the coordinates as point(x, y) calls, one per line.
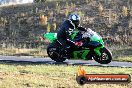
point(100, 8)
point(43, 20)
point(48, 27)
point(73, 5)
point(54, 26)
point(66, 12)
point(124, 10)
point(80, 13)
point(67, 5)
point(58, 8)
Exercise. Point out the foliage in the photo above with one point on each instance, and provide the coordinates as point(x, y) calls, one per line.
point(43, 19)
point(48, 27)
point(100, 8)
point(124, 10)
point(54, 26)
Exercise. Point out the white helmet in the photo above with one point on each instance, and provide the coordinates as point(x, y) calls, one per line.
point(74, 17)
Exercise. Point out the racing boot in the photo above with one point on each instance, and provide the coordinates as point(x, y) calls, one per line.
point(65, 52)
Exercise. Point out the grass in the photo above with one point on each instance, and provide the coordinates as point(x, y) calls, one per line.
point(124, 58)
point(39, 75)
point(36, 52)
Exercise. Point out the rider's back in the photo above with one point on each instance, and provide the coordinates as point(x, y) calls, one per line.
point(65, 29)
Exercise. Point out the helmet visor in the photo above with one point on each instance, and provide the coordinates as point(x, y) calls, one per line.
point(76, 22)
point(75, 18)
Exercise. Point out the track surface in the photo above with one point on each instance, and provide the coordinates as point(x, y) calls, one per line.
point(70, 62)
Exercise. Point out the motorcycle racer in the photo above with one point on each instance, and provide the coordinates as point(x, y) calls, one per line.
point(65, 31)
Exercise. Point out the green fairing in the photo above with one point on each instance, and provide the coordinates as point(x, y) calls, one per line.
point(74, 34)
point(82, 53)
point(98, 38)
point(97, 50)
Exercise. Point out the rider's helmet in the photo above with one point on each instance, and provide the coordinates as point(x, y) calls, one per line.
point(75, 19)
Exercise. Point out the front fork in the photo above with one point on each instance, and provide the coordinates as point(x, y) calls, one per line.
point(97, 50)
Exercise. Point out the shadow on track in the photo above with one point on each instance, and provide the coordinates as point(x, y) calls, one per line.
point(23, 63)
point(29, 62)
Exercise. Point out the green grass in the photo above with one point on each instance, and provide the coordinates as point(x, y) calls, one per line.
point(124, 58)
point(36, 52)
point(39, 75)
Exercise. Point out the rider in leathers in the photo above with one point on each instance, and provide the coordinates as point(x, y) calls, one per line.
point(65, 31)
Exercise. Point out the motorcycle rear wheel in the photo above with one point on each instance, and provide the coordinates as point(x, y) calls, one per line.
point(53, 53)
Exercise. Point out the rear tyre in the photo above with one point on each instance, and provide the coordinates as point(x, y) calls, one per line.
point(105, 58)
point(53, 53)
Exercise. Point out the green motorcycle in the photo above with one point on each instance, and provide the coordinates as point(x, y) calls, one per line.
point(96, 49)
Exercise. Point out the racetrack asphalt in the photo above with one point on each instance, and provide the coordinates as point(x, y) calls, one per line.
point(47, 60)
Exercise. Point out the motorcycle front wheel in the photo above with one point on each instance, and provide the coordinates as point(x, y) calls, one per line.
point(105, 58)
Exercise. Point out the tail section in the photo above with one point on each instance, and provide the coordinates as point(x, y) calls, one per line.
point(50, 36)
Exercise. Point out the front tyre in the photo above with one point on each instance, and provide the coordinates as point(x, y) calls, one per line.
point(105, 58)
point(53, 53)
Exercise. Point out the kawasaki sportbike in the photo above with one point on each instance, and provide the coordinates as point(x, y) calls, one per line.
point(95, 50)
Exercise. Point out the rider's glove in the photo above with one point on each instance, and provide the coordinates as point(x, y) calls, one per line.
point(81, 29)
point(78, 43)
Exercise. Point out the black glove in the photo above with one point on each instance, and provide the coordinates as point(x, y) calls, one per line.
point(81, 29)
